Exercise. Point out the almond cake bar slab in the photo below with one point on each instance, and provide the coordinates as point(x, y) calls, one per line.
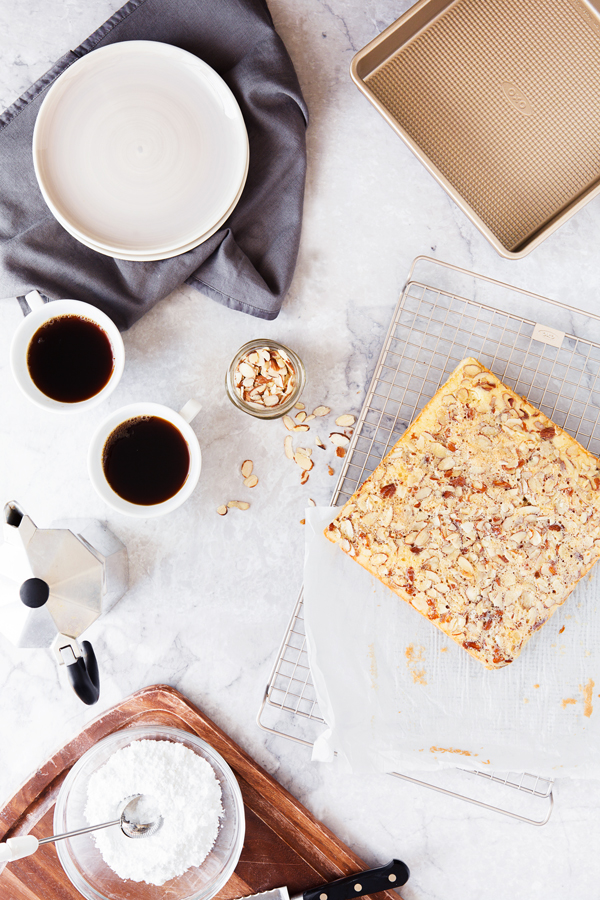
point(484, 516)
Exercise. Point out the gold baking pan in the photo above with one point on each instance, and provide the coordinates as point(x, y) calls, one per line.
point(500, 100)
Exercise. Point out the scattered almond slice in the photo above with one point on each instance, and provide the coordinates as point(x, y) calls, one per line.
point(319, 442)
point(299, 406)
point(247, 467)
point(311, 502)
point(340, 451)
point(345, 421)
point(338, 439)
point(303, 521)
point(300, 428)
point(330, 470)
point(321, 411)
point(238, 504)
point(303, 461)
point(287, 445)
point(300, 417)
point(304, 477)
point(308, 418)
point(289, 423)
point(222, 510)
point(251, 481)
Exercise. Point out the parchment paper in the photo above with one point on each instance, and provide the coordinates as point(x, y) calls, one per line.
point(398, 694)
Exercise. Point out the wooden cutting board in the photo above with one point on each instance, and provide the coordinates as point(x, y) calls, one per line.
point(284, 843)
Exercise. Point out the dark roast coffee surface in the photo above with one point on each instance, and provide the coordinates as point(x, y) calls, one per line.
point(146, 460)
point(70, 359)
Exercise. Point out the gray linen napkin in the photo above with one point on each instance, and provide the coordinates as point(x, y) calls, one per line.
point(248, 264)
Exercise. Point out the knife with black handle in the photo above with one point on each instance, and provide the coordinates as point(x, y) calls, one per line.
point(393, 875)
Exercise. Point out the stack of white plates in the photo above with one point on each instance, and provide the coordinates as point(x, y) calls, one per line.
point(140, 150)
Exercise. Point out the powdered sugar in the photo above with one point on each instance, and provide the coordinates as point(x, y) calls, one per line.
point(177, 783)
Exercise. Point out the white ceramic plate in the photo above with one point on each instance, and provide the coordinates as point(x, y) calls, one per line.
point(134, 256)
point(140, 147)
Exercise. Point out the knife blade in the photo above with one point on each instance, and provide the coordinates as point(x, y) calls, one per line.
point(370, 881)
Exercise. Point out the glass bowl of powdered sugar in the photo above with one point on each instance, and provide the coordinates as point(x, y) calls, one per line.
point(181, 778)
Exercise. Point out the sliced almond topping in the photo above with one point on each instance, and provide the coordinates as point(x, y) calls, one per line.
point(247, 467)
point(345, 421)
point(299, 406)
point(311, 502)
point(289, 423)
point(308, 418)
point(439, 450)
point(304, 476)
point(222, 510)
point(338, 439)
point(465, 566)
point(446, 464)
point(471, 370)
point(340, 451)
point(251, 481)
point(238, 504)
point(321, 411)
point(287, 445)
point(301, 428)
point(300, 417)
point(319, 442)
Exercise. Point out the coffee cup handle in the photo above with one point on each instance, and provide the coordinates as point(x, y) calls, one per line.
point(34, 300)
point(190, 410)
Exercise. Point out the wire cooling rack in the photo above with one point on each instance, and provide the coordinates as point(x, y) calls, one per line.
point(444, 314)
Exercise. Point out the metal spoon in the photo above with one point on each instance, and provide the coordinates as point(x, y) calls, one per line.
point(18, 847)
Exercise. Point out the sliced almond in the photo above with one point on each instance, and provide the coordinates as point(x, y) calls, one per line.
point(330, 470)
point(303, 521)
point(345, 421)
point(251, 481)
point(340, 451)
point(305, 462)
point(300, 417)
point(465, 566)
point(321, 411)
point(471, 370)
point(247, 467)
point(289, 423)
point(446, 464)
point(319, 442)
point(222, 510)
point(299, 406)
point(301, 428)
point(287, 446)
point(338, 439)
point(311, 502)
point(238, 504)
point(304, 477)
point(308, 418)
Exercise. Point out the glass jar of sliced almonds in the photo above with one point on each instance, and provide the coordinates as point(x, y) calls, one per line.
point(265, 379)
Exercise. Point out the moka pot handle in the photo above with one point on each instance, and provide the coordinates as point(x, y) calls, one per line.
point(82, 667)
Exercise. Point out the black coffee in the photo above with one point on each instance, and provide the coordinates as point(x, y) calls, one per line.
point(146, 460)
point(70, 359)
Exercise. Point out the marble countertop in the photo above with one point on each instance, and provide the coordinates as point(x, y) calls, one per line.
point(210, 597)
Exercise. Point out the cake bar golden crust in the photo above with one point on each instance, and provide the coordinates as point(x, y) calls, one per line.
point(484, 516)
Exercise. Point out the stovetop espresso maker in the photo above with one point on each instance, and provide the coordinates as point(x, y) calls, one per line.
point(54, 583)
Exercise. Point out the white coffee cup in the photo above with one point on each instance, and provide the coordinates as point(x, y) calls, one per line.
point(181, 421)
point(44, 312)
